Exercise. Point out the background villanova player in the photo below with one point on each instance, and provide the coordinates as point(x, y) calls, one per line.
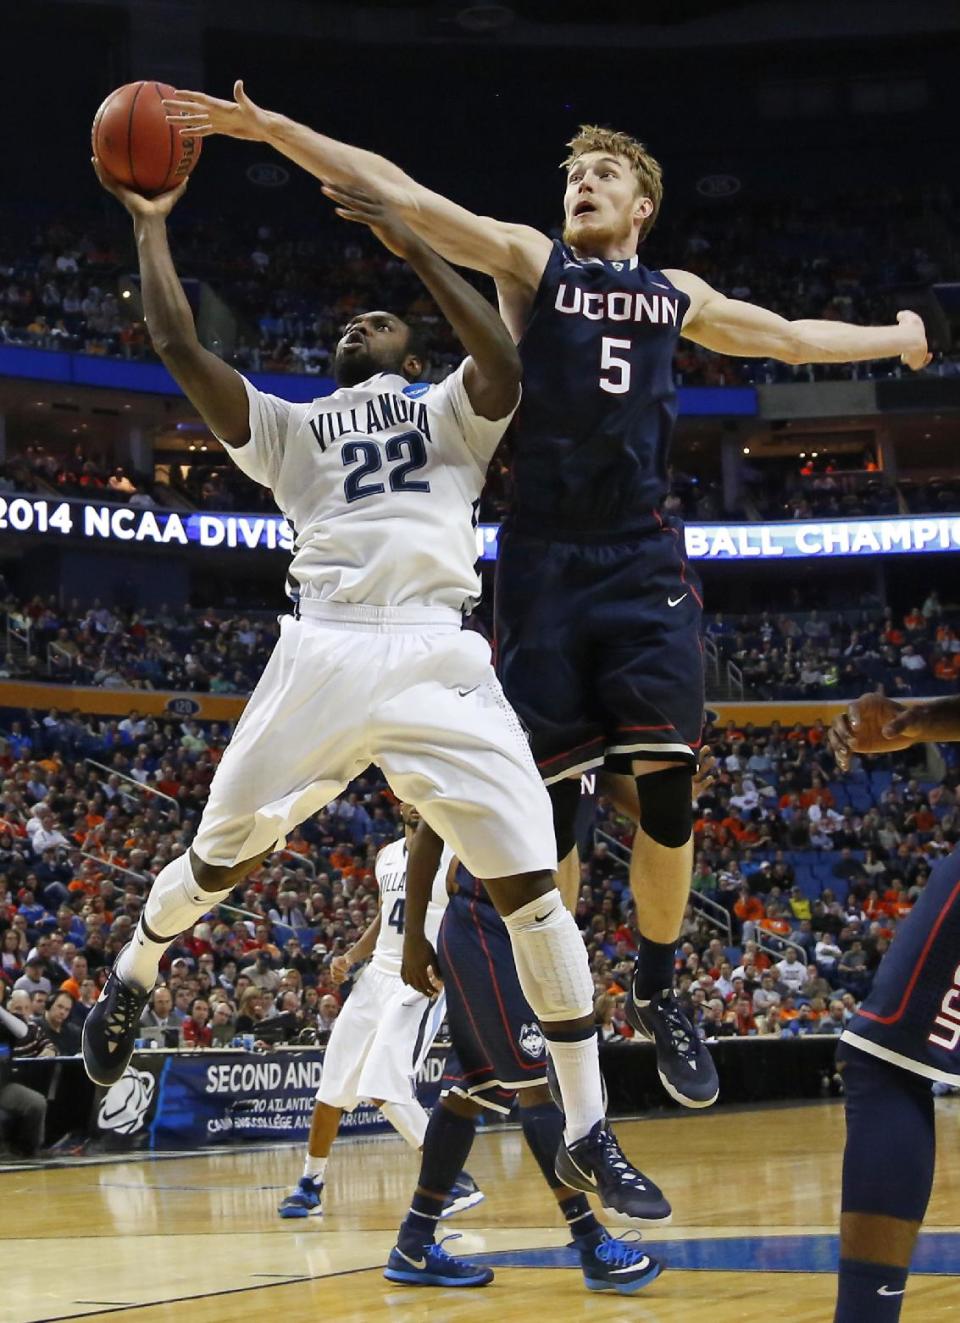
point(598, 617)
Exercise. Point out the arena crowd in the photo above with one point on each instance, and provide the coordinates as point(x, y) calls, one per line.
point(800, 883)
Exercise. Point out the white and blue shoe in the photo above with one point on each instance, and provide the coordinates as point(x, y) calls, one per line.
point(465, 1194)
point(305, 1201)
point(433, 1266)
point(617, 1265)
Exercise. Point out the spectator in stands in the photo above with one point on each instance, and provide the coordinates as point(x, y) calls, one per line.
point(25, 1107)
point(57, 1025)
point(251, 1010)
point(33, 980)
point(158, 1013)
point(196, 1029)
point(327, 1013)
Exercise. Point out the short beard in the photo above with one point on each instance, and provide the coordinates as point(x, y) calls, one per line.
point(351, 369)
point(592, 242)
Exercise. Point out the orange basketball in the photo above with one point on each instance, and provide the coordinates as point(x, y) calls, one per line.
point(134, 143)
point(875, 711)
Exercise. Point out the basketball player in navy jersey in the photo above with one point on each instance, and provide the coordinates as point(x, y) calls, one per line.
point(498, 1056)
point(597, 613)
point(905, 1035)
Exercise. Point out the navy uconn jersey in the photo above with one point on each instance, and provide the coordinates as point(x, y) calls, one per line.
point(911, 1016)
point(593, 430)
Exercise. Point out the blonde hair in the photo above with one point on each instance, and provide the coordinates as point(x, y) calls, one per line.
point(595, 138)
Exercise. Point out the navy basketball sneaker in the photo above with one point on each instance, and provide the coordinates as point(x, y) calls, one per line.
point(433, 1266)
point(597, 1165)
point(684, 1064)
point(304, 1201)
point(613, 1264)
point(110, 1030)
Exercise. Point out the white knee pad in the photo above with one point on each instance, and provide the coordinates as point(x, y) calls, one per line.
point(551, 959)
point(408, 1119)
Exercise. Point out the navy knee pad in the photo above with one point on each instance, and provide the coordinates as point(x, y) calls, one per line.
point(666, 805)
point(565, 798)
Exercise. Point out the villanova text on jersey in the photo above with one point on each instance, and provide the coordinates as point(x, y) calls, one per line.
point(593, 430)
point(370, 417)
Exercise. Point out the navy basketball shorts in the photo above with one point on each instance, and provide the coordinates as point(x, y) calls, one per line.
point(498, 1046)
point(912, 1016)
point(599, 648)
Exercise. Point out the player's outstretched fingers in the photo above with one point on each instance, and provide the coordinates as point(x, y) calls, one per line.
point(841, 736)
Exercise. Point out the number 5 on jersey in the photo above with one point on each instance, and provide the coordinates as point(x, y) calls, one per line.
point(618, 380)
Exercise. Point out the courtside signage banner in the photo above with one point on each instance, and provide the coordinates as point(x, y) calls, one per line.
point(100, 522)
point(806, 539)
point(189, 1100)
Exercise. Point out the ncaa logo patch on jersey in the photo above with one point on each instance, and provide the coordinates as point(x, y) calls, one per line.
point(417, 389)
point(531, 1041)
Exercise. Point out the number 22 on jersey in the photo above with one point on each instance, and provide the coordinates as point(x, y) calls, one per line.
point(405, 454)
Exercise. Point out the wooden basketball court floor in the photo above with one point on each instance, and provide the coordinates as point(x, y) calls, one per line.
point(196, 1237)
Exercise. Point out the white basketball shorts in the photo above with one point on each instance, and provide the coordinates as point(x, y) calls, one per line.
point(379, 1042)
point(401, 687)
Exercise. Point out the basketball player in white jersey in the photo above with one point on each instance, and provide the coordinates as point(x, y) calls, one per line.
point(382, 1036)
point(380, 481)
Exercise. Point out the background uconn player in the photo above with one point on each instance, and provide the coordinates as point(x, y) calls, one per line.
point(380, 480)
point(383, 1035)
point(498, 1056)
point(905, 1035)
point(598, 616)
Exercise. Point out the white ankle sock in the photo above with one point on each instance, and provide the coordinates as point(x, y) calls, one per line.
point(314, 1168)
point(174, 904)
point(578, 1073)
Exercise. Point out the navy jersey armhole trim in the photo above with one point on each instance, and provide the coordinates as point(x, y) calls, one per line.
point(557, 252)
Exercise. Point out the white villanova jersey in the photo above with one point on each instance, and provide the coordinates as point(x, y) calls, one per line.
point(391, 873)
point(380, 483)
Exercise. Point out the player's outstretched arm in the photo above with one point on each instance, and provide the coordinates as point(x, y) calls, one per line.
point(875, 724)
point(509, 252)
point(361, 950)
point(419, 964)
point(730, 326)
point(492, 371)
point(216, 391)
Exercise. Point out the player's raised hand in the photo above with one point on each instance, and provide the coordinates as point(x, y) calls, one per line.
point(705, 777)
point(366, 208)
point(915, 354)
point(418, 968)
point(198, 115)
point(872, 724)
point(137, 205)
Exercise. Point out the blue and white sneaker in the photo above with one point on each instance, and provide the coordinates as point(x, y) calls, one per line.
point(305, 1201)
point(465, 1194)
point(684, 1063)
point(617, 1265)
point(598, 1165)
point(433, 1266)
